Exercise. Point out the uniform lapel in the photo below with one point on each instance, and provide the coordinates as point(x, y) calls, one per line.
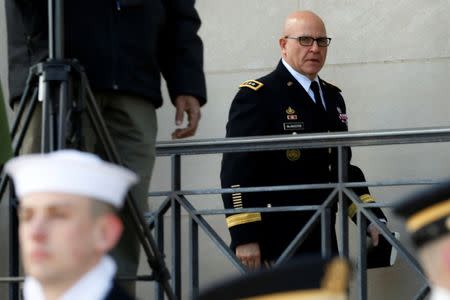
point(295, 90)
point(328, 98)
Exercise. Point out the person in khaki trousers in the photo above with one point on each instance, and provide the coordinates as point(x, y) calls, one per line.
point(132, 44)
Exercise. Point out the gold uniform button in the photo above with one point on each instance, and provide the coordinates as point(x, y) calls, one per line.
point(293, 154)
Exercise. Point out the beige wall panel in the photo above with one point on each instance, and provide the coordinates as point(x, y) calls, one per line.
point(221, 88)
point(242, 35)
point(394, 95)
point(384, 30)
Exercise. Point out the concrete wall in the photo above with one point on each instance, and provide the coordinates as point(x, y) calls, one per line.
point(390, 58)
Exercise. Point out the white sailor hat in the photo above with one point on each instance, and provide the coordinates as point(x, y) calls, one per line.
point(72, 172)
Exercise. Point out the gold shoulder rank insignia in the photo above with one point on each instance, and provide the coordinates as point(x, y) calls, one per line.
point(252, 84)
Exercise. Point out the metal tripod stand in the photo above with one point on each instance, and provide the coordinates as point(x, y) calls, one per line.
point(52, 83)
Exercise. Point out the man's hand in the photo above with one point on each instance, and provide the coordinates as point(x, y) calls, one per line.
point(249, 255)
point(191, 106)
point(374, 234)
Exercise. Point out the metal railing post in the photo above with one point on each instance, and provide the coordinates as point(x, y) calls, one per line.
point(13, 246)
point(343, 219)
point(361, 269)
point(194, 260)
point(159, 234)
point(326, 233)
point(176, 226)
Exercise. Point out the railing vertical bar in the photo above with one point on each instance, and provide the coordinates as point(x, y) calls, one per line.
point(194, 261)
point(159, 226)
point(326, 233)
point(176, 227)
point(362, 257)
point(343, 220)
point(13, 246)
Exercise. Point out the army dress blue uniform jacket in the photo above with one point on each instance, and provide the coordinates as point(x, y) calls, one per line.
point(272, 105)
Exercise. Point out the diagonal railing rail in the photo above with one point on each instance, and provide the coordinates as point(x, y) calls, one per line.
point(177, 198)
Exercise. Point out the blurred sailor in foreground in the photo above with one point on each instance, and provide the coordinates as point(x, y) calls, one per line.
point(68, 222)
point(304, 278)
point(427, 218)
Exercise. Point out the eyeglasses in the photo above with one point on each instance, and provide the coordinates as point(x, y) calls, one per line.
point(309, 40)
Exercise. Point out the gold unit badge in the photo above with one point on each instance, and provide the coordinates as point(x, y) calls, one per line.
point(290, 111)
point(291, 114)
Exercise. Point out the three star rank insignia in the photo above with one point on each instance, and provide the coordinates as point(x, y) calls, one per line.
point(252, 84)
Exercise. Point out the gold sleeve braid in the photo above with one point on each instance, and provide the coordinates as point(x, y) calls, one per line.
point(366, 198)
point(244, 218)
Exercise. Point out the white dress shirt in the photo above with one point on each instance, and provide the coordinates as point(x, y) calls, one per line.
point(438, 293)
point(305, 82)
point(94, 285)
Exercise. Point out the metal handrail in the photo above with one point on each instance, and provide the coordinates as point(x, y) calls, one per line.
point(176, 197)
point(315, 140)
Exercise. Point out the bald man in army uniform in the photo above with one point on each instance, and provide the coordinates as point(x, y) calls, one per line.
point(292, 99)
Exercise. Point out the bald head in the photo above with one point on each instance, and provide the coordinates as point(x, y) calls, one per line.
point(307, 60)
point(302, 20)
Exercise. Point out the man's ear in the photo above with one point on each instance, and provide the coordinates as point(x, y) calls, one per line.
point(107, 232)
point(282, 43)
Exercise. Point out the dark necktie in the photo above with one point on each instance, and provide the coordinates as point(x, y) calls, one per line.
point(316, 91)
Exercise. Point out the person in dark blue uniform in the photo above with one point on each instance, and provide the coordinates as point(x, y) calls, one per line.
point(426, 215)
point(290, 100)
